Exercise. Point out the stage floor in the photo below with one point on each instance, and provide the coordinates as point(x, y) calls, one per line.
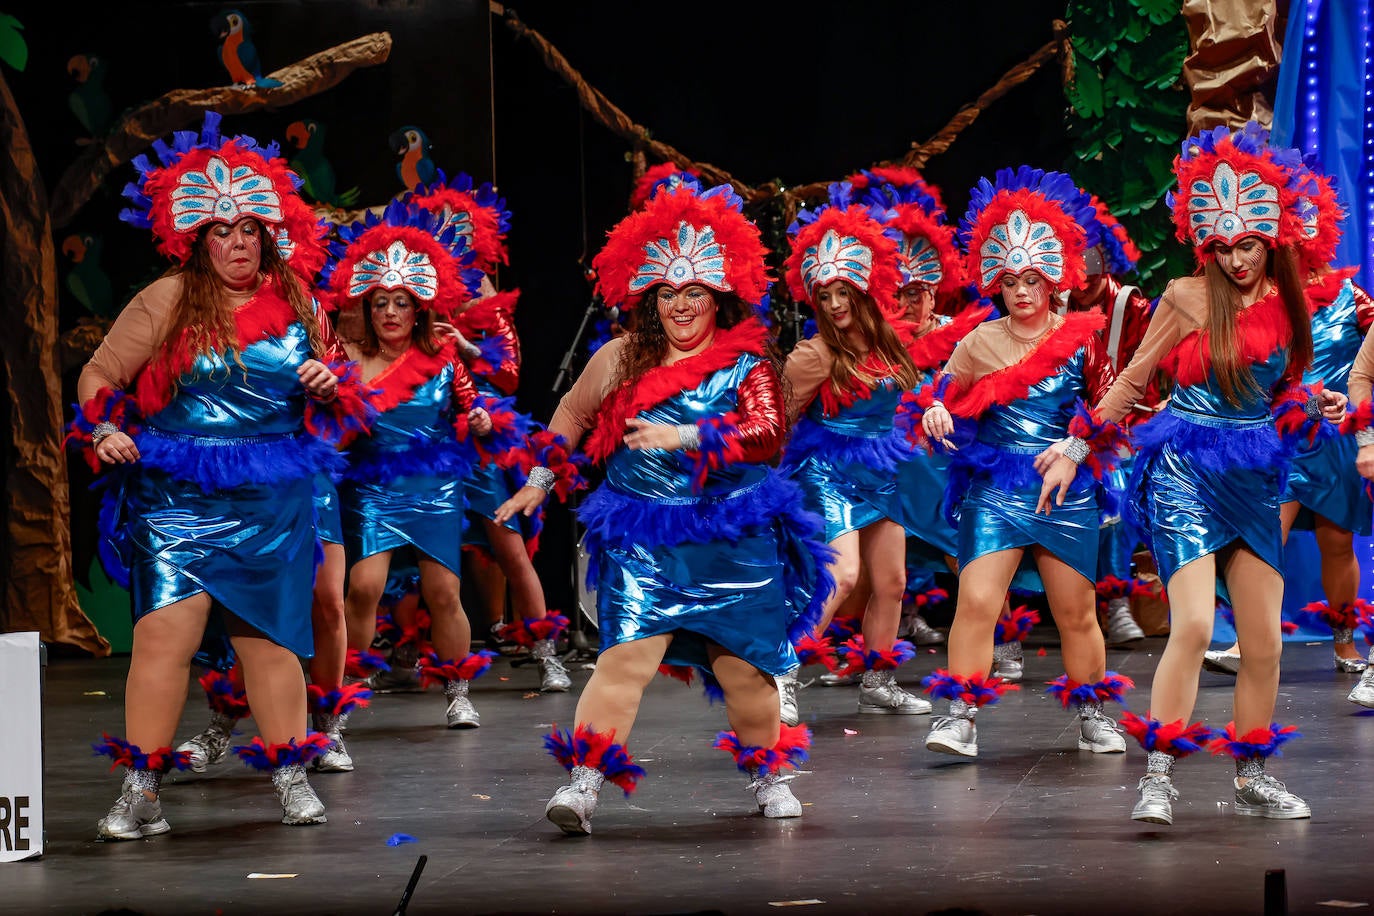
point(1034, 826)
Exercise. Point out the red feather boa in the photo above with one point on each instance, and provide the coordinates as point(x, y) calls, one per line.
point(1261, 329)
point(396, 383)
point(930, 351)
point(1013, 382)
point(663, 382)
point(1323, 291)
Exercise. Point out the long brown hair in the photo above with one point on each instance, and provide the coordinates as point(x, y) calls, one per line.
point(646, 342)
point(421, 333)
point(1232, 372)
point(202, 315)
point(883, 345)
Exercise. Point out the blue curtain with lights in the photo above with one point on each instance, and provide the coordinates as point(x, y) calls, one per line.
point(1325, 107)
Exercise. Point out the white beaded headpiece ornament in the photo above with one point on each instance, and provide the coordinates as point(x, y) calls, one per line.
point(837, 257)
point(219, 194)
point(1019, 245)
point(692, 256)
point(395, 268)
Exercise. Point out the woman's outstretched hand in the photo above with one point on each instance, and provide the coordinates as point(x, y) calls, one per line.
point(1045, 460)
point(1056, 484)
point(938, 425)
point(1333, 405)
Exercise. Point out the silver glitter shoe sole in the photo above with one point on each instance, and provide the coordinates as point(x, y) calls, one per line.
point(300, 806)
point(774, 796)
point(1156, 800)
point(572, 806)
point(460, 713)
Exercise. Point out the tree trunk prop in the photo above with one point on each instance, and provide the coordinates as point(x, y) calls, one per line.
point(38, 582)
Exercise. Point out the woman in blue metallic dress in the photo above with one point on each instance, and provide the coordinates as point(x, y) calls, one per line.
point(200, 397)
point(845, 385)
point(405, 479)
point(1210, 467)
point(1012, 388)
point(701, 554)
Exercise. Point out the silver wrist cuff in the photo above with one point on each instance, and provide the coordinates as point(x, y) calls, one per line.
point(542, 478)
point(102, 431)
point(1076, 449)
point(690, 436)
point(1364, 437)
point(1314, 408)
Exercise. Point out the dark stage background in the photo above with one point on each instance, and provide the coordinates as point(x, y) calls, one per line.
point(757, 89)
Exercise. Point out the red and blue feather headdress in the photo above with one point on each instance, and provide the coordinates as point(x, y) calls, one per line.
point(407, 247)
point(1027, 219)
point(474, 212)
point(664, 175)
point(928, 251)
point(845, 240)
point(1104, 231)
point(207, 178)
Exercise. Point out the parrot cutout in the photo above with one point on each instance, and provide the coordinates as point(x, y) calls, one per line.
point(310, 163)
point(416, 167)
point(236, 50)
point(88, 100)
point(86, 281)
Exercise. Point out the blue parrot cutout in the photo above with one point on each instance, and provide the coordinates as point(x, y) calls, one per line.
point(416, 167)
point(236, 50)
point(86, 281)
point(310, 163)
point(88, 100)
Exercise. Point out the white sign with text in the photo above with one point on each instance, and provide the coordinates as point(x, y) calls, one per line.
point(21, 736)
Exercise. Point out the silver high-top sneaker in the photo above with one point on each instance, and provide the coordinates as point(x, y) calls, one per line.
point(135, 815)
point(460, 713)
point(1363, 693)
point(335, 758)
point(1121, 626)
point(1346, 665)
point(774, 796)
point(1098, 732)
point(299, 803)
point(788, 711)
point(1156, 790)
point(211, 745)
point(404, 676)
point(1263, 795)
point(955, 733)
point(572, 805)
point(920, 632)
point(880, 693)
point(1007, 661)
point(553, 677)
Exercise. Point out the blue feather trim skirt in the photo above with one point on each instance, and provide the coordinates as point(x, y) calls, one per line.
point(1324, 481)
point(251, 547)
point(1200, 488)
point(849, 481)
point(743, 570)
point(328, 523)
point(422, 510)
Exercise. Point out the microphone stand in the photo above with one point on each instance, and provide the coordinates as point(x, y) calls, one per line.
point(565, 367)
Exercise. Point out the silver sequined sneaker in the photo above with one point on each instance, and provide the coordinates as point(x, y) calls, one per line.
point(572, 806)
point(1354, 665)
point(915, 628)
point(1265, 796)
point(460, 712)
point(1157, 793)
point(135, 815)
point(1007, 661)
point(773, 795)
point(300, 805)
point(210, 746)
point(1122, 630)
point(403, 676)
point(953, 735)
point(553, 676)
point(1363, 692)
point(1221, 662)
point(1098, 732)
point(788, 711)
point(335, 758)
point(879, 693)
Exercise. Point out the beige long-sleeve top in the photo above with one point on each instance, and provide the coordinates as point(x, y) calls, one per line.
point(1362, 373)
point(806, 369)
point(1181, 311)
point(577, 409)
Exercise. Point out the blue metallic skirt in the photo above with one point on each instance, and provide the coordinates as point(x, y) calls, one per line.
point(921, 484)
point(328, 523)
point(1324, 481)
point(422, 510)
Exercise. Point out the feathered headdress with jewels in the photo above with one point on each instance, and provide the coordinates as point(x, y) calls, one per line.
point(207, 178)
point(683, 236)
point(475, 213)
point(664, 175)
point(1026, 219)
point(1233, 186)
point(407, 247)
point(1321, 216)
point(1119, 253)
point(927, 251)
point(843, 240)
